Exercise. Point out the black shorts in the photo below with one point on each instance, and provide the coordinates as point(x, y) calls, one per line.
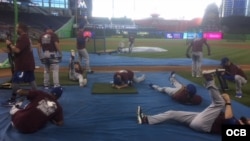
point(23, 77)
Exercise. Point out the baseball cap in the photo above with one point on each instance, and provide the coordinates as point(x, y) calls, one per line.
point(224, 61)
point(191, 89)
point(57, 91)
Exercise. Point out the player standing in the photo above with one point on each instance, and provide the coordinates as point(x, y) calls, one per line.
point(24, 62)
point(197, 55)
point(131, 40)
point(81, 48)
point(49, 49)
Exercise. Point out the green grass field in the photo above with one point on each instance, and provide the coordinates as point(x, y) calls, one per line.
point(238, 52)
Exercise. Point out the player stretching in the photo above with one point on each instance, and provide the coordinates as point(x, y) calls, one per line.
point(197, 55)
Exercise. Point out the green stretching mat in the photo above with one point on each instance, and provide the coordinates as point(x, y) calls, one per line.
point(106, 88)
point(63, 76)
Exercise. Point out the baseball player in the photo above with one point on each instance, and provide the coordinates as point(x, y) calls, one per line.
point(131, 39)
point(76, 71)
point(24, 63)
point(81, 48)
point(222, 81)
point(183, 94)
point(235, 74)
point(197, 55)
point(42, 107)
point(50, 54)
point(210, 120)
point(125, 78)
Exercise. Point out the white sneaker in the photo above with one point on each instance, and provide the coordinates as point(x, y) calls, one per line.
point(208, 71)
point(143, 77)
point(238, 95)
point(220, 70)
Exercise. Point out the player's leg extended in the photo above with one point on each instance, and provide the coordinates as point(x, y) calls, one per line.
point(222, 81)
point(80, 55)
point(85, 55)
point(203, 121)
point(55, 71)
point(180, 116)
point(194, 64)
point(239, 82)
point(46, 75)
point(199, 63)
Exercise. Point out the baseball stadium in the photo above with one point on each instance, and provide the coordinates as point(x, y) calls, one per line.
point(99, 112)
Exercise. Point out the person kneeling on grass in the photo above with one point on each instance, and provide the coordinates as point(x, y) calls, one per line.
point(234, 74)
point(42, 107)
point(180, 93)
point(125, 78)
point(76, 72)
point(210, 120)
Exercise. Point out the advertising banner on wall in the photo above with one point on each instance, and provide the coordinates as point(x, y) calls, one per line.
point(191, 35)
point(212, 35)
point(174, 35)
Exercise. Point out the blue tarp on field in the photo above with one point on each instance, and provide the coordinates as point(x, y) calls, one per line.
point(112, 117)
point(117, 60)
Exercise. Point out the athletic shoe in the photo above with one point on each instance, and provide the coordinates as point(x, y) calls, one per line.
point(220, 70)
point(141, 118)
point(208, 74)
point(19, 103)
point(238, 95)
point(209, 77)
point(142, 77)
point(9, 103)
point(46, 87)
point(172, 75)
point(90, 71)
point(198, 76)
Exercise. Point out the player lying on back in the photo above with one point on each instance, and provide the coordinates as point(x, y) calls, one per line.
point(179, 92)
point(76, 72)
point(125, 78)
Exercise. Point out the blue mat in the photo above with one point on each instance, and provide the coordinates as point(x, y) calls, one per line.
point(116, 60)
point(113, 117)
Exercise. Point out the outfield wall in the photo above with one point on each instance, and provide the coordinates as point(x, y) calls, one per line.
point(66, 31)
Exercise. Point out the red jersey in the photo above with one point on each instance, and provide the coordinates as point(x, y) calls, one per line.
point(232, 69)
point(220, 120)
point(24, 60)
point(126, 75)
point(197, 44)
point(42, 108)
point(47, 40)
point(182, 96)
point(131, 39)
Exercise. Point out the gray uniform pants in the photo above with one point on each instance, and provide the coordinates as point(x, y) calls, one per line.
point(169, 90)
point(199, 121)
point(76, 76)
point(83, 54)
point(239, 82)
point(51, 67)
point(196, 63)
